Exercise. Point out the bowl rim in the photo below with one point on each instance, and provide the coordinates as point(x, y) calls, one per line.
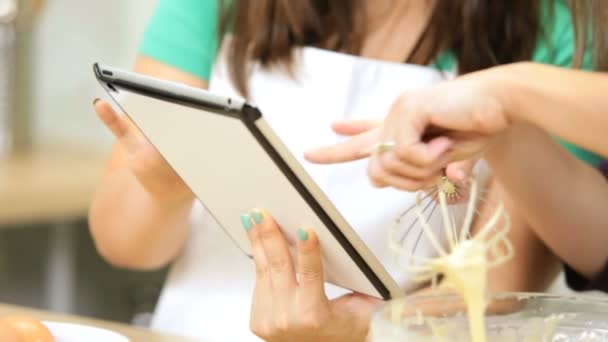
point(509, 294)
point(575, 297)
point(381, 323)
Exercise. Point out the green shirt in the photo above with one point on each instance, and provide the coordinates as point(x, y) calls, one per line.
point(183, 34)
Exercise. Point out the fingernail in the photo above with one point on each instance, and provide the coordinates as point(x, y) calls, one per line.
point(97, 99)
point(302, 234)
point(246, 222)
point(257, 215)
point(460, 175)
point(438, 146)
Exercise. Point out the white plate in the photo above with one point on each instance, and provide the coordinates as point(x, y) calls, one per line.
point(66, 332)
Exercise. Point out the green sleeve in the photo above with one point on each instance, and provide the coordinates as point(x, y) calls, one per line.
point(556, 46)
point(183, 34)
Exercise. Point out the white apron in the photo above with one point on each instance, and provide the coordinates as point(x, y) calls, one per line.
point(208, 292)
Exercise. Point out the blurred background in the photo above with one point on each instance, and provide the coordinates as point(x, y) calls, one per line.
point(52, 148)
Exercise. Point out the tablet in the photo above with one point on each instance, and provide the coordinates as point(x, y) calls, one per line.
point(231, 159)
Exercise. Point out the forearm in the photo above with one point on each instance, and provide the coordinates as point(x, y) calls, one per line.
point(133, 228)
point(139, 226)
point(568, 103)
point(563, 199)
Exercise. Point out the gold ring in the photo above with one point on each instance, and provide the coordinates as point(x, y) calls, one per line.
point(384, 147)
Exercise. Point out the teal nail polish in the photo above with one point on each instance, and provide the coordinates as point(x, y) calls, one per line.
point(246, 222)
point(257, 216)
point(302, 234)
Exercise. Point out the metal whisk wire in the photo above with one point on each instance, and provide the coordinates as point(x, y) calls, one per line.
point(454, 192)
point(450, 197)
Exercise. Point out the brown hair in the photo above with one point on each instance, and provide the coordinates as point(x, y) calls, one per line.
point(589, 17)
point(480, 33)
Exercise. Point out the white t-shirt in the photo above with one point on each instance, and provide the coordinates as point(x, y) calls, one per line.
point(208, 292)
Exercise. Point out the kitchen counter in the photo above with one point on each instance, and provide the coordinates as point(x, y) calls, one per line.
point(48, 185)
point(53, 187)
point(135, 334)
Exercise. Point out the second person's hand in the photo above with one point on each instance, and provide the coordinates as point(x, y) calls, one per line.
point(364, 136)
point(465, 110)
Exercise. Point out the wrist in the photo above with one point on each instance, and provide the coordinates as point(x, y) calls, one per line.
point(492, 107)
point(170, 195)
point(176, 199)
point(506, 84)
point(177, 196)
point(498, 148)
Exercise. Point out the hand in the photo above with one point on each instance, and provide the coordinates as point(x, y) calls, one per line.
point(364, 138)
point(293, 307)
point(464, 110)
point(146, 163)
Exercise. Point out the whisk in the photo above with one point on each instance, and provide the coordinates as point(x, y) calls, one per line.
point(464, 264)
point(464, 259)
point(461, 205)
point(408, 222)
point(467, 198)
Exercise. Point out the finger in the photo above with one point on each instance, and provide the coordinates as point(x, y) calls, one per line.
point(358, 147)
point(423, 154)
point(460, 171)
point(279, 262)
point(393, 165)
point(120, 125)
point(354, 127)
point(109, 117)
point(310, 265)
point(381, 178)
point(470, 148)
point(413, 134)
point(261, 304)
point(257, 249)
point(405, 123)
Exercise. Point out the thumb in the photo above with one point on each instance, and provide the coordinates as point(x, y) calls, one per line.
point(460, 171)
point(357, 304)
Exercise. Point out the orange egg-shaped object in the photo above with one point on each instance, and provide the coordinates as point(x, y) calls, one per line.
point(28, 329)
point(8, 333)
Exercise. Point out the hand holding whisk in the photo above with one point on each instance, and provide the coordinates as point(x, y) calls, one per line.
point(410, 163)
point(461, 204)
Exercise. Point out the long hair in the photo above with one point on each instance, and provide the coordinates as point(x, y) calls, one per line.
point(590, 19)
point(480, 33)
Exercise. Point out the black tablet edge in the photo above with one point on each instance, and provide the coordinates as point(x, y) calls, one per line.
point(248, 115)
point(109, 82)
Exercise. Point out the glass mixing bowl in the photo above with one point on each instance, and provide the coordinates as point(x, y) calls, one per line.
point(510, 317)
